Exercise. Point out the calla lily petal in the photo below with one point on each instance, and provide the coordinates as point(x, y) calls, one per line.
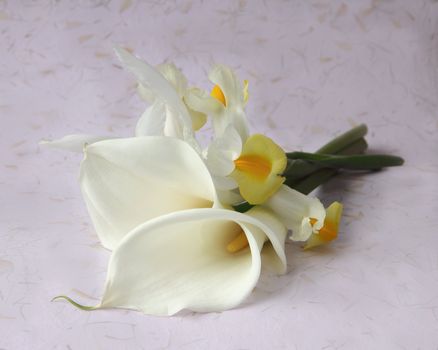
point(300, 213)
point(128, 181)
point(74, 143)
point(179, 261)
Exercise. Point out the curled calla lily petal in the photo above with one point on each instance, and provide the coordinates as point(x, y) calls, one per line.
point(302, 214)
point(126, 182)
point(74, 143)
point(180, 261)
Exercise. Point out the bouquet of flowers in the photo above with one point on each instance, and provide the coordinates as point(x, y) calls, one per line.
point(190, 227)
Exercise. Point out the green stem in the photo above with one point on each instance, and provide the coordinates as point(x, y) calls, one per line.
point(313, 181)
point(353, 162)
point(298, 169)
point(344, 140)
point(315, 175)
point(304, 168)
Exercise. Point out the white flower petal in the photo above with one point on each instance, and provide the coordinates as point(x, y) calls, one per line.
point(201, 101)
point(295, 210)
point(150, 78)
point(174, 76)
point(223, 151)
point(237, 118)
point(145, 93)
point(229, 197)
point(163, 91)
point(231, 87)
point(152, 121)
point(224, 183)
point(179, 261)
point(74, 143)
point(128, 181)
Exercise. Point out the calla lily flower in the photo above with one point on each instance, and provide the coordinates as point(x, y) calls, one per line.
point(152, 201)
point(126, 182)
point(183, 261)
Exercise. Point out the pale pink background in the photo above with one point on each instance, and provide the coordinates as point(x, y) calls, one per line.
point(315, 68)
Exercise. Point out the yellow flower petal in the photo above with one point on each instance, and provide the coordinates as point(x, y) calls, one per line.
point(198, 118)
point(329, 231)
point(245, 91)
point(258, 169)
point(218, 94)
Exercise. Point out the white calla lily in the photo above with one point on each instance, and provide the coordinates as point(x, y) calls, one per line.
point(180, 261)
point(126, 182)
point(302, 214)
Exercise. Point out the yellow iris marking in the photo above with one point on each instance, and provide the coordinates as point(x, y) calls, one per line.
point(245, 91)
point(257, 170)
point(255, 165)
point(238, 243)
point(218, 94)
point(329, 230)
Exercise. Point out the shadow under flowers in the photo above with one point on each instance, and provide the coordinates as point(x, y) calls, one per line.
point(306, 266)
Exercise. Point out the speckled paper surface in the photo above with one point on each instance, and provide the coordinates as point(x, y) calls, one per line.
point(315, 69)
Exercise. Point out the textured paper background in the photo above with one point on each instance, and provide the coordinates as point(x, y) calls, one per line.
point(315, 68)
